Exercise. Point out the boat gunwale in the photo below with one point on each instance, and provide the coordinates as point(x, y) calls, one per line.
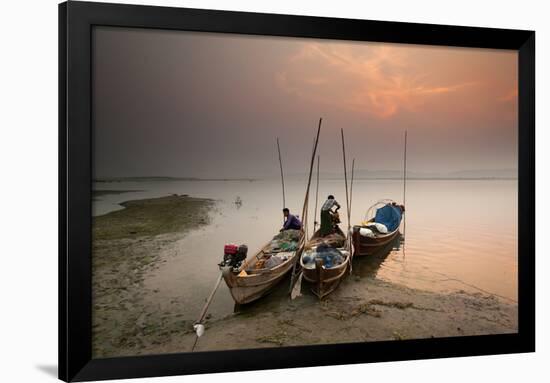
point(377, 238)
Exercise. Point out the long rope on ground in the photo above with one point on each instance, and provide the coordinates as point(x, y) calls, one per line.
point(449, 278)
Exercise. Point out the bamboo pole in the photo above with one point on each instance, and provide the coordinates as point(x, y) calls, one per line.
point(350, 205)
point(313, 150)
point(316, 195)
point(205, 309)
point(351, 185)
point(282, 175)
point(345, 175)
point(405, 182)
point(304, 208)
point(306, 199)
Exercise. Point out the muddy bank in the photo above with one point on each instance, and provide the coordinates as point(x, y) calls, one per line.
point(131, 316)
point(127, 246)
point(360, 310)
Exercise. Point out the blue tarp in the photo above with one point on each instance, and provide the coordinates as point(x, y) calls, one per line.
point(389, 216)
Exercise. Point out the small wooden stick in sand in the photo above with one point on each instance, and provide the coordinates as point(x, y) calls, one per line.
point(198, 326)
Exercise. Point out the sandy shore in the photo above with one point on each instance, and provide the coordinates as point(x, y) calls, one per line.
point(131, 244)
point(127, 247)
point(373, 310)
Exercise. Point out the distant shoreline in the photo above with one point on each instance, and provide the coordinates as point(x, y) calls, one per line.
point(154, 178)
point(432, 178)
point(294, 177)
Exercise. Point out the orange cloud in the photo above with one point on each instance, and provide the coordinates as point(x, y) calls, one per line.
point(375, 79)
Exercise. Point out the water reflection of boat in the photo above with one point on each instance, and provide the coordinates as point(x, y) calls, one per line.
point(252, 280)
point(324, 279)
point(369, 266)
point(367, 239)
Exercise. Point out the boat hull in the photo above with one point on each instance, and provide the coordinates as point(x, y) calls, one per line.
point(246, 289)
point(324, 281)
point(255, 283)
point(364, 246)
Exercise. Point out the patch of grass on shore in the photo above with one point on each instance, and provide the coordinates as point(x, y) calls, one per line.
point(125, 249)
point(149, 217)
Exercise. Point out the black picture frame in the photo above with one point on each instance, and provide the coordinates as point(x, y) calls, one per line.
point(76, 20)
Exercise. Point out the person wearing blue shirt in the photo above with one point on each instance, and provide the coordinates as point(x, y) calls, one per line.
point(291, 221)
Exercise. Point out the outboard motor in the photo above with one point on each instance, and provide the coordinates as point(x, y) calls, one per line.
point(234, 255)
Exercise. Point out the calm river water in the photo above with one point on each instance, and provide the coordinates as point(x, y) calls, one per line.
point(460, 234)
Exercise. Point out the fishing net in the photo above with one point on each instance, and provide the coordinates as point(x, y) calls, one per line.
point(288, 235)
point(331, 240)
point(280, 249)
point(286, 241)
point(330, 256)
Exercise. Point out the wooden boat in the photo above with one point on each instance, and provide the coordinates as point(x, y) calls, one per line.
point(251, 282)
point(325, 280)
point(363, 246)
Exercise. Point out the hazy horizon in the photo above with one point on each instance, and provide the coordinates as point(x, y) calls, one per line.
point(204, 105)
point(359, 174)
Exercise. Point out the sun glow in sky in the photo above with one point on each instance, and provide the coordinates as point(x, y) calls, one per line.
point(382, 80)
point(475, 87)
point(165, 98)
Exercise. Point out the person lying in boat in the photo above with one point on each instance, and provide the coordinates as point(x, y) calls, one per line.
point(291, 221)
point(328, 215)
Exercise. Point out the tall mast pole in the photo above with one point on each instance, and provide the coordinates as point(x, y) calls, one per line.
point(404, 180)
point(316, 195)
point(345, 175)
point(282, 175)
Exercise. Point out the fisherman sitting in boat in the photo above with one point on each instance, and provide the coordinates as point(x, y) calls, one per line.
point(329, 216)
point(291, 221)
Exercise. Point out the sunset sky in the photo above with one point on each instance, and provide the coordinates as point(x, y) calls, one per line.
point(175, 103)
